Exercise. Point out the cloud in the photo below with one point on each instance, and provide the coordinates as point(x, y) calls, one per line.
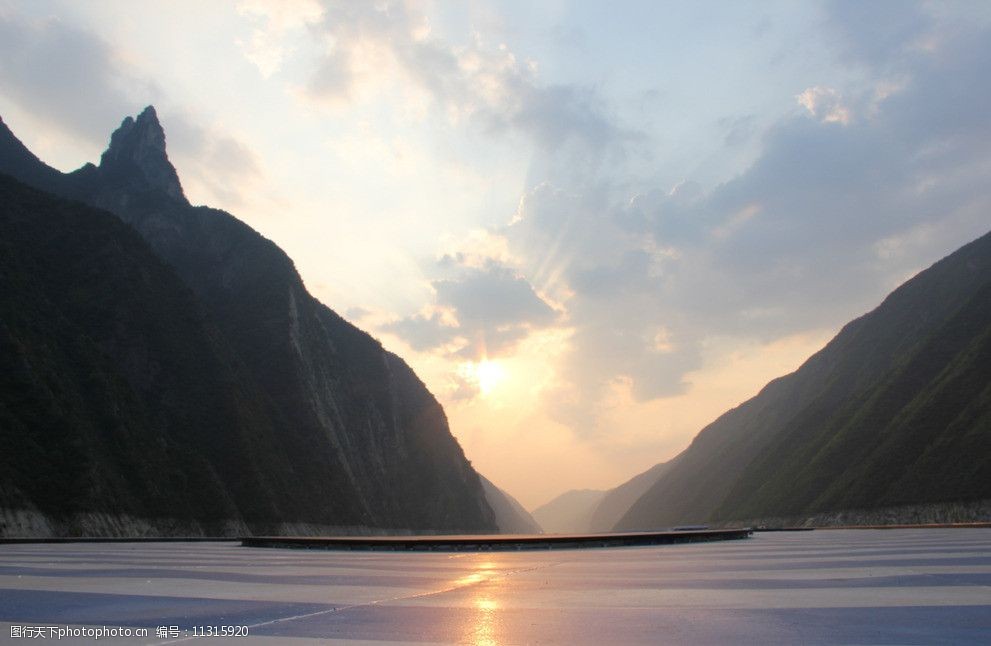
point(232, 156)
point(276, 30)
point(587, 249)
point(825, 104)
point(876, 171)
point(493, 296)
point(221, 163)
point(483, 311)
point(738, 129)
point(879, 33)
point(826, 199)
point(65, 75)
point(74, 81)
point(357, 313)
point(872, 181)
point(424, 331)
point(374, 45)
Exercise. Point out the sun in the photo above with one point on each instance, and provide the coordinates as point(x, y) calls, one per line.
point(489, 374)
point(485, 375)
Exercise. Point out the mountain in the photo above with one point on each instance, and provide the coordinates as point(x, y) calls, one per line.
point(109, 378)
point(510, 515)
point(587, 510)
point(292, 419)
point(890, 421)
point(569, 513)
point(617, 501)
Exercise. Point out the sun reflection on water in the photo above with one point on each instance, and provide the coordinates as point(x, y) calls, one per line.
point(482, 629)
point(474, 577)
point(482, 618)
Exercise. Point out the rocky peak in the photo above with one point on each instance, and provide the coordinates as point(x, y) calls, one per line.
point(138, 146)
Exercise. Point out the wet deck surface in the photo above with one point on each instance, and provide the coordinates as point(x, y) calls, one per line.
point(877, 587)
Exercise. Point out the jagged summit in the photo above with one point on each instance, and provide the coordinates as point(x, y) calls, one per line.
point(186, 378)
point(139, 144)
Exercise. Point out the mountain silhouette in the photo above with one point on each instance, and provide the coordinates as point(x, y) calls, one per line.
point(891, 420)
point(169, 363)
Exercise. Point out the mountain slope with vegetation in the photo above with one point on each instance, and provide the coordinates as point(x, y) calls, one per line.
point(111, 379)
point(303, 419)
point(894, 412)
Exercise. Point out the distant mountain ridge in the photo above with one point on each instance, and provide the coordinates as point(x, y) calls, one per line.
point(618, 500)
point(325, 428)
point(893, 414)
point(569, 513)
point(582, 511)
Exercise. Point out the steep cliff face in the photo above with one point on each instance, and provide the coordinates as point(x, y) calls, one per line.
point(895, 412)
point(136, 159)
point(339, 431)
point(116, 396)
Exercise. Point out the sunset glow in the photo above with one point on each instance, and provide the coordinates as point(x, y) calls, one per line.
point(589, 230)
point(486, 374)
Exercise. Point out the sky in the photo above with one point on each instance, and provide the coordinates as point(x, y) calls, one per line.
point(590, 227)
